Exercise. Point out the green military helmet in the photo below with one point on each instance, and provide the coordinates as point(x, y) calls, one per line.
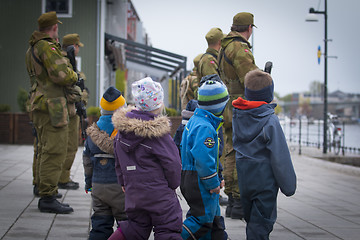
point(72, 39)
point(214, 35)
point(243, 19)
point(197, 60)
point(48, 19)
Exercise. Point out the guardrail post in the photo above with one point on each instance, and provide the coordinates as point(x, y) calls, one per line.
point(300, 135)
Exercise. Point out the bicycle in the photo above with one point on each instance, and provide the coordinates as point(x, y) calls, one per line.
point(334, 134)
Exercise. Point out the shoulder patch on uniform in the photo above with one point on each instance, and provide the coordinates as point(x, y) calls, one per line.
point(209, 142)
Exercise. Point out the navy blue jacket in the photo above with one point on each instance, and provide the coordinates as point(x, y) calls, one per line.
point(262, 155)
point(98, 154)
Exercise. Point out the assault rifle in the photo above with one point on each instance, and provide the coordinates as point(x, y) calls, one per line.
point(80, 106)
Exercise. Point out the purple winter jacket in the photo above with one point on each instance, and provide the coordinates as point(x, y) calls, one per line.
point(147, 161)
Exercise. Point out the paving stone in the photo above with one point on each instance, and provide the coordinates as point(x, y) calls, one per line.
point(325, 206)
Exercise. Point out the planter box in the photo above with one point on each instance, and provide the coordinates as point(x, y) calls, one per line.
point(22, 129)
point(15, 128)
point(6, 128)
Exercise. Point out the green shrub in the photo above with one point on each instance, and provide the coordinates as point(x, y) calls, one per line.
point(171, 112)
point(5, 108)
point(22, 97)
point(93, 111)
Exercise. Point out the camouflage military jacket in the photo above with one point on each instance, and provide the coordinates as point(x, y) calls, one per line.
point(73, 93)
point(188, 88)
point(235, 60)
point(208, 63)
point(49, 74)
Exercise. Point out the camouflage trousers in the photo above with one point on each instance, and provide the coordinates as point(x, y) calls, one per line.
point(51, 153)
point(72, 147)
point(230, 172)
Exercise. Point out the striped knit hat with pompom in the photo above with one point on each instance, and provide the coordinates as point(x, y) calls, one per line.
point(213, 95)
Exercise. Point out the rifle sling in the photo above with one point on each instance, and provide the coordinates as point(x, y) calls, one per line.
point(209, 54)
point(36, 58)
point(239, 39)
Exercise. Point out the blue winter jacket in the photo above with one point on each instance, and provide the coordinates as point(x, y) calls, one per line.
point(200, 148)
point(262, 155)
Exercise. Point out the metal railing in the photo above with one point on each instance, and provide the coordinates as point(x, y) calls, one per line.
point(173, 64)
point(310, 134)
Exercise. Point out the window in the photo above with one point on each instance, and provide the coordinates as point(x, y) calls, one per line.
point(63, 8)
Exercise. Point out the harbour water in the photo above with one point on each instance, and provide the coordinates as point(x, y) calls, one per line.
point(312, 132)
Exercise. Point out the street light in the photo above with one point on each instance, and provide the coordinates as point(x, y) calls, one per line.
point(313, 18)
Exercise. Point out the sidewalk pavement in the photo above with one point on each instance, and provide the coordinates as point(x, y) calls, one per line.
point(325, 206)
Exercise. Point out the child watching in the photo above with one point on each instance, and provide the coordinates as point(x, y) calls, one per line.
point(148, 167)
point(186, 114)
point(263, 160)
point(108, 199)
point(200, 183)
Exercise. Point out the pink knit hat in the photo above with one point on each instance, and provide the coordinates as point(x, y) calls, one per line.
point(148, 95)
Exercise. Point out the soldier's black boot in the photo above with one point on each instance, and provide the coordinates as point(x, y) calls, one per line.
point(69, 185)
point(237, 211)
point(51, 205)
point(229, 205)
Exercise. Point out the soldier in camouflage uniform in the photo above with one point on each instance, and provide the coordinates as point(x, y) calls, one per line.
point(235, 60)
point(208, 62)
point(190, 85)
point(49, 108)
point(65, 181)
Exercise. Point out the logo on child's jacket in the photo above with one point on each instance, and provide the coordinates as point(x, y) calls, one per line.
point(103, 161)
point(209, 142)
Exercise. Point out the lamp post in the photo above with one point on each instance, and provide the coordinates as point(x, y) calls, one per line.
point(312, 18)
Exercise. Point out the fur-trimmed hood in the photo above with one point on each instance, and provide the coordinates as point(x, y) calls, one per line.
point(101, 138)
point(141, 124)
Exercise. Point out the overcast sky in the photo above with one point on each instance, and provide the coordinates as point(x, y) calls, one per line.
point(282, 36)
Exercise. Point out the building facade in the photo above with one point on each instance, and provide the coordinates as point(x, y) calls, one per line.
point(103, 61)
